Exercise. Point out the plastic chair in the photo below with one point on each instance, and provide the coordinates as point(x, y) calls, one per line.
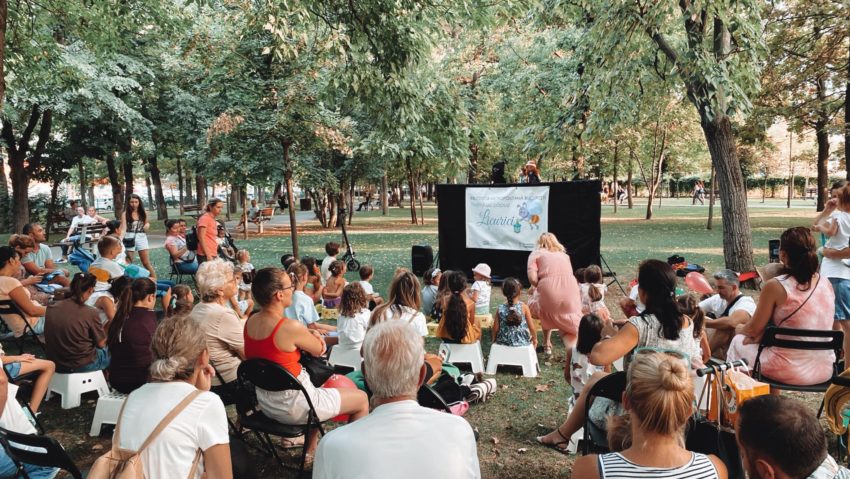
point(465, 353)
point(271, 376)
point(37, 451)
point(107, 411)
point(73, 386)
point(803, 339)
point(524, 356)
point(345, 357)
point(8, 307)
point(610, 387)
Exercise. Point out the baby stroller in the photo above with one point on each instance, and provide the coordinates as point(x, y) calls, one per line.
point(80, 257)
point(227, 247)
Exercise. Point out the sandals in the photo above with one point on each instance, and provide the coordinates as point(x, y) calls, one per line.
point(562, 446)
point(292, 442)
point(547, 351)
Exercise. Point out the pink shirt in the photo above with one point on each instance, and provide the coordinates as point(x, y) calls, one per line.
point(209, 237)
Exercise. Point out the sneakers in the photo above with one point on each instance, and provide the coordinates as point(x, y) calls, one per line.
point(61, 260)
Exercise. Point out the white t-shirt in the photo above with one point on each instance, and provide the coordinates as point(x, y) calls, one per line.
point(105, 270)
point(634, 296)
point(716, 305)
point(482, 305)
point(326, 264)
point(202, 424)
point(580, 371)
point(84, 220)
point(352, 329)
point(425, 443)
point(833, 268)
point(415, 318)
point(367, 287)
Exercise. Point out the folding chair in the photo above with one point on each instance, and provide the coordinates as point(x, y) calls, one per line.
point(610, 387)
point(8, 307)
point(24, 383)
point(803, 339)
point(176, 272)
point(37, 451)
point(273, 377)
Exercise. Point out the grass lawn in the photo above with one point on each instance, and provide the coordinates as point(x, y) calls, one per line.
point(517, 412)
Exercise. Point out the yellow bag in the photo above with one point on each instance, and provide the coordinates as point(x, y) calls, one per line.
point(737, 388)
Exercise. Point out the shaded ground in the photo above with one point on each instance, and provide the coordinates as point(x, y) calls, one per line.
point(509, 421)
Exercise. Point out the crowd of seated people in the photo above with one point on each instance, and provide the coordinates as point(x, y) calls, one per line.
point(188, 361)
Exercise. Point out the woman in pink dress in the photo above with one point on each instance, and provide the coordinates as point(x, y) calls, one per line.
point(556, 300)
point(799, 298)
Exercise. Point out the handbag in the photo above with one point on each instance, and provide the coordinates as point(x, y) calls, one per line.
point(706, 436)
point(318, 369)
point(737, 387)
point(130, 243)
point(123, 464)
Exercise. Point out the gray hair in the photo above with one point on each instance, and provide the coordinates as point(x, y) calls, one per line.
point(177, 344)
point(393, 354)
point(729, 276)
point(212, 277)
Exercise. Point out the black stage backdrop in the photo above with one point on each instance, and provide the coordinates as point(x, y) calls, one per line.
point(574, 217)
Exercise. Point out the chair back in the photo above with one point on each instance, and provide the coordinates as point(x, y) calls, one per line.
point(268, 375)
point(812, 339)
point(37, 450)
point(7, 306)
point(428, 397)
point(611, 386)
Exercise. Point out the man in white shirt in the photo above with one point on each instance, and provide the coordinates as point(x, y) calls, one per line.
point(81, 219)
point(729, 308)
point(424, 443)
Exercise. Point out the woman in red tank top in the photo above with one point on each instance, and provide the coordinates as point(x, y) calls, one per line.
point(270, 335)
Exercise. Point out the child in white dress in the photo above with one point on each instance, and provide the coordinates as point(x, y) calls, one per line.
point(480, 290)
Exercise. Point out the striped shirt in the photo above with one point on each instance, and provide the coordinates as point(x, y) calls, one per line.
point(615, 466)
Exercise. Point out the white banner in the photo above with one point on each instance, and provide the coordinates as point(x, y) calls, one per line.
point(506, 218)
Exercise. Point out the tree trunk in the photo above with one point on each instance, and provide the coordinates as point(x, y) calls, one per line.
point(473, 163)
point(201, 189)
point(4, 18)
point(156, 178)
point(385, 200)
point(287, 175)
point(127, 167)
point(90, 192)
point(823, 146)
point(20, 195)
point(51, 207)
point(180, 184)
point(846, 118)
point(709, 224)
point(117, 187)
point(21, 164)
point(737, 240)
point(351, 202)
point(4, 194)
point(629, 179)
point(616, 184)
point(190, 185)
point(419, 195)
point(82, 171)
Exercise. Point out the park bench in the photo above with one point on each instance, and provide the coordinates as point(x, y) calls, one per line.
point(263, 216)
point(194, 211)
point(89, 235)
point(811, 193)
point(59, 223)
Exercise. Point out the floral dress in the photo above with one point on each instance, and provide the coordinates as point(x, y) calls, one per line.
point(512, 335)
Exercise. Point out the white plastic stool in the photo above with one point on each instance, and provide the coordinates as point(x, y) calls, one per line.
point(524, 356)
point(107, 410)
point(345, 357)
point(465, 353)
point(73, 386)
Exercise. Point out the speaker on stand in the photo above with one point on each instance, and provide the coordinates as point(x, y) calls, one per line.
point(421, 258)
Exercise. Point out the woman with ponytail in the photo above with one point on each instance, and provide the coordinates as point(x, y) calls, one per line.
point(658, 401)
point(798, 298)
point(73, 333)
point(458, 323)
point(661, 326)
point(129, 336)
point(179, 369)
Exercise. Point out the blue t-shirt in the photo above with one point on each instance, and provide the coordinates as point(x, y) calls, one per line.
point(302, 309)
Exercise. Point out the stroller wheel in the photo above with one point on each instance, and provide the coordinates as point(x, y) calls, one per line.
point(353, 265)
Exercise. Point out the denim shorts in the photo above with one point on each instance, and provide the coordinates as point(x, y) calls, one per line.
point(841, 288)
point(13, 369)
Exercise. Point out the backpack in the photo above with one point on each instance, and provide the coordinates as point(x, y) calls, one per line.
point(192, 239)
point(123, 464)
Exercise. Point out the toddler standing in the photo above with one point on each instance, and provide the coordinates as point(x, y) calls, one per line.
point(593, 293)
point(480, 290)
point(512, 327)
point(244, 259)
point(589, 333)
